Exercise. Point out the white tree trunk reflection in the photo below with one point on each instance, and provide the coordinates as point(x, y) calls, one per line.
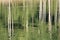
point(40, 10)
point(50, 26)
point(27, 20)
point(44, 10)
point(9, 21)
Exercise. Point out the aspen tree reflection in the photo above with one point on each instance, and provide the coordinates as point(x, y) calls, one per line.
point(9, 21)
point(29, 19)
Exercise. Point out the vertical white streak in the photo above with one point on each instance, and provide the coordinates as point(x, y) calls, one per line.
point(23, 12)
point(26, 19)
point(9, 21)
point(56, 12)
point(40, 10)
point(27, 16)
point(44, 10)
point(49, 15)
point(40, 18)
point(50, 28)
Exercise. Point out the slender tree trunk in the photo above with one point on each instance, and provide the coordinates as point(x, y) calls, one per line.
point(27, 20)
point(40, 18)
point(59, 22)
point(44, 10)
point(56, 2)
point(12, 22)
point(40, 10)
point(9, 22)
point(24, 6)
point(50, 26)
